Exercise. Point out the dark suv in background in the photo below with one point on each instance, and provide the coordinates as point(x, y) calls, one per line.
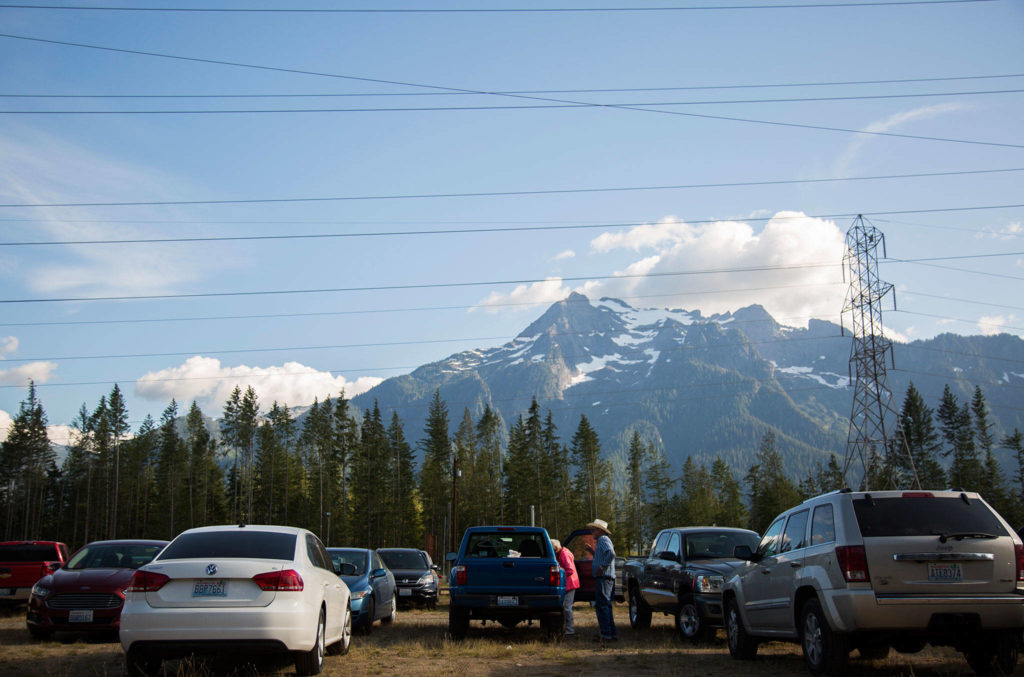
point(883, 569)
point(415, 575)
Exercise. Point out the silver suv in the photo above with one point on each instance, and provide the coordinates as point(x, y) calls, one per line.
point(878, 570)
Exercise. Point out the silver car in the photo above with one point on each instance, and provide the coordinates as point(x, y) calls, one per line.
point(878, 570)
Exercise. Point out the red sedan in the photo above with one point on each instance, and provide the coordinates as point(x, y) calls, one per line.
point(86, 595)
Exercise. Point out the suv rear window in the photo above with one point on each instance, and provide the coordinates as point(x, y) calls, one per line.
point(507, 545)
point(924, 516)
point(29, 553)
point(231, 544)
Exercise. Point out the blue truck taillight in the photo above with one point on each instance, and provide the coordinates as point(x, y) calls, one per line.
point(555, 576)
point(459, 575)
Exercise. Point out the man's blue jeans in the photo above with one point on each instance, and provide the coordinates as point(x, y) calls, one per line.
point(604, 589)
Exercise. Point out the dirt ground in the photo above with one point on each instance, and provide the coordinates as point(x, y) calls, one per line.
point(415, 646)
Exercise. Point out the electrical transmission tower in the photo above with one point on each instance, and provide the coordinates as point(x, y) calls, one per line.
point(875, 434)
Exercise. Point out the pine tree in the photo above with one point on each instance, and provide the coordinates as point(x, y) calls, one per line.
point(633, 504)
point(171, 474)
point(1015, 443)
point(593, 473)
point(658, 490)
point(26, 458)
point(490, 467)
point(922, 439)
point(117, 417)
point(731, 511)
point(698, 501)
point(344, 447)
point(518, 475)
point(435, 477)
point(771, 491)
point(403, 510)
point(991, 486)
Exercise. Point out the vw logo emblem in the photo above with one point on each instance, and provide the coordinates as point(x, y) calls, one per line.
point(211, 569)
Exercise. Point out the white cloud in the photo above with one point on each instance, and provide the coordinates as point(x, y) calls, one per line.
point(41, 168)
point(523, 296)
point(5, 424)
point(567, 254)
point(205, 380)
point(788, 239)
point(40, 372)
point(847, 157)
point(8, 344)
point(989, 325)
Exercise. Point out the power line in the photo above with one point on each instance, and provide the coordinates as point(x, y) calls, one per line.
point(438, 285)
point(986, 273)
point(489, 10)
point(557, 191)
point(607, 90)
point(959, 319)
point(549, 106)
point(953, 298)
point(392, 310)
point(976, 231)
point(705, 116)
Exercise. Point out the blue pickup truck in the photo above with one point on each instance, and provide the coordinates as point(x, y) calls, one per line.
point(508, 575)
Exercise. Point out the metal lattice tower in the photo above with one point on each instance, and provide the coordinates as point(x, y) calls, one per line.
point(875, 432)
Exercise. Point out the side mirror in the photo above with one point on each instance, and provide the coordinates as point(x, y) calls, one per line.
point(337, 568)
point(668, 555)
point(377, 573)
point(451, 557)
point(743, 552)
point(434, 567)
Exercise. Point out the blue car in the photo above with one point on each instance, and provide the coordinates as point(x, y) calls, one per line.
point(372, 585)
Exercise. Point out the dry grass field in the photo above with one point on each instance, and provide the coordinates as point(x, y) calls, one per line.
point(415, 646)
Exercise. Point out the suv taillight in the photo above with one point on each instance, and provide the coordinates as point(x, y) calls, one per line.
point(1018, 552)
point(49, 567)
point(458, 575)
point(555, 576)
point(288, 580)
point(146, 581)
point(853, 562)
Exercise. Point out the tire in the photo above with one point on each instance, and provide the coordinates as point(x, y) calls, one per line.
point(139, 663)
point(40, 633)
point(341, 647)
point(873, 653)
point(312, 662)
point(367, 626)
point(639, 612)
point(554, 626)
point(741, 645)
point(825, 652)
point(690, 624)
point(458, 622)
point(390, 618)
point(995, 657)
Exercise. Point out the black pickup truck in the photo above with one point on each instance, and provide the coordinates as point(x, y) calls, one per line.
point(684, 576)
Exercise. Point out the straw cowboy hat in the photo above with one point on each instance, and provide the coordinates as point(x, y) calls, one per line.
point(599, 524)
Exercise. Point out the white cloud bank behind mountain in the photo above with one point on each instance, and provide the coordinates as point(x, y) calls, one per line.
point(792, 266)
point(208, 382)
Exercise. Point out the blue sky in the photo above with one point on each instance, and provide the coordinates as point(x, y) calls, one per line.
point(200, 347)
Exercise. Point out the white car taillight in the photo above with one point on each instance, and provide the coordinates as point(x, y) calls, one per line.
point(288, 580)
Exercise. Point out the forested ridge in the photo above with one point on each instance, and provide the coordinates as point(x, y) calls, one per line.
point(351, 476)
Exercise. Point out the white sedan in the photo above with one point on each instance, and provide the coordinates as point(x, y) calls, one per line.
point(246, 589)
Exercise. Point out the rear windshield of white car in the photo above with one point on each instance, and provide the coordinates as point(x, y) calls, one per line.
point(924, 516)
point(28, 553)
point(243, 544)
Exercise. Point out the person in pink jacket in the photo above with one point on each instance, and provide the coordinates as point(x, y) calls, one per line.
point(572, 582)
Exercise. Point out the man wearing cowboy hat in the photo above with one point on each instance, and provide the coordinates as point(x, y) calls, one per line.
point(604, 579)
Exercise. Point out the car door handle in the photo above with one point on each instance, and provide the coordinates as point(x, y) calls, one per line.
point(796, 564)
point(766, 571)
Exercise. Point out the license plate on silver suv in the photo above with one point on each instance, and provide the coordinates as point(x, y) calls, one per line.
point(945, 573)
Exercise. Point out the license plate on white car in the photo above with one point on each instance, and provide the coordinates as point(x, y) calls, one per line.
point(210, 589)
point(80, 616)
point(508, 601)
point(945, 573)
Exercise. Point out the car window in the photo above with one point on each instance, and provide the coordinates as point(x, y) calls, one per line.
point(673, 544)
point(355, 559)
point(504, 544)
point(796, 530)
point(769, 544)
point(923, 516)
point(321, 551)
point(377, 563)
point(660, 544)
point(717, 545)
point(240, 543)
point(823, 525)
point(113, 556)
point(316, 557)
point(403, 559)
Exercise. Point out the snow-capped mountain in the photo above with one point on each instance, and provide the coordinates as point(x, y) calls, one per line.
point(695, 385)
